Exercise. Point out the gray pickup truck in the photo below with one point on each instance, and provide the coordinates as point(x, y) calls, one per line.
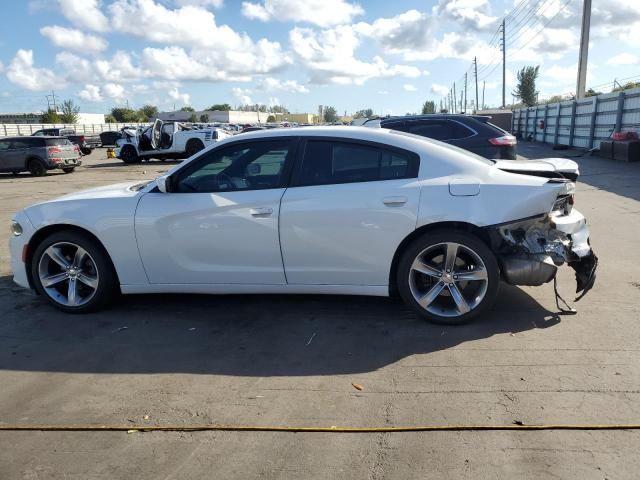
point(38, 154)
point(86, 143)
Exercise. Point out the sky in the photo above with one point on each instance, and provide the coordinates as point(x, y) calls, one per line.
point(352, 55)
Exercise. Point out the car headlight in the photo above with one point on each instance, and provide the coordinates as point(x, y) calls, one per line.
point(16, 228)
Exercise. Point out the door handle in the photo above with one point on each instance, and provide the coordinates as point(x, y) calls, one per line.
point(261, 212)
point(394, 201)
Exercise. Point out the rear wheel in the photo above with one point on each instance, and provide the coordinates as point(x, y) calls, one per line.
point(68, 170)
point(129, 155)
point(73, 273)
point(193, 147)
point(448, 277)
point(85, 150)
point(37, 168)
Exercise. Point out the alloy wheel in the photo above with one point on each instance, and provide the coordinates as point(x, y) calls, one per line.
point(448, 279)
point(68, 274)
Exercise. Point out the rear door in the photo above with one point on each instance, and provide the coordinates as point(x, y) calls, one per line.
point(350, 205)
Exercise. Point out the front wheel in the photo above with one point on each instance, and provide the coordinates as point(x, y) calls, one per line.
point(129, 155)
point(86, 150)
point(68, 170)
point(448, 277)
point(73, 273)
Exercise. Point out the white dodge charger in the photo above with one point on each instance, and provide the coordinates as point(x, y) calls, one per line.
point(326, 210)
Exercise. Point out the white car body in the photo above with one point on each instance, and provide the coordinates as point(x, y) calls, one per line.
point(179, 134)
point(334, 239)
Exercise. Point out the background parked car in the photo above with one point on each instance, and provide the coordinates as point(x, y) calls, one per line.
point(110, 137)
point(86, 143)
point(471, 132)
point(37, 155)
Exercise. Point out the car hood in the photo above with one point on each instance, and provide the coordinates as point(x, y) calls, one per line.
point(118, 190)
point(545, 167)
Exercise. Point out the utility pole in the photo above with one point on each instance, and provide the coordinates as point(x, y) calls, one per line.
point(461, 97)
point(464, 110)
point(475, 67)
point(504, 64)
point(584, 49)
point(53, 101)
point(483, 94)
point(455, 98)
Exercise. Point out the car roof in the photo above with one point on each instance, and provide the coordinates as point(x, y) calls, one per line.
point(438, 116)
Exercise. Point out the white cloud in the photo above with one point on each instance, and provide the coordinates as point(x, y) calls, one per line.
point(201, 3)
point(217, 52)
point(624, 59)
point(471, 14)
point(75, 68)
point(242, 95)
point(119, 69)
point(22, 72)
point(114, 91)
point(407, 87)
point(273, 84)
point(176, 95)
point(328, 55)
point(91, 93)
point(323, 13)
point(438, 89)
point(85, 14)
point(72, 39)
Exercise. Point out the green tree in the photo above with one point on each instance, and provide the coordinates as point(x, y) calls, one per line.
point(626, 86)
point(109, 118)
point(592, 93)
point(428, 107)
point(278, 109)
point(204, 118)
point(193, 118)
point(147, 112)
point(124, 115)
point(526, 87)
point(271, 119)
point(330, 115)
point(187, 108)
point(221, 107)
point(50, 116)
point(69, 112)
point(365, 113)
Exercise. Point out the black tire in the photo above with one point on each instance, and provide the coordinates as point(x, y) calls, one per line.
point(68, 170)
point(430, 243)
point(108, 285)
point(129, 155)
point(86, 150)
point(15, 173)
point(37, 168)
point(193, 147)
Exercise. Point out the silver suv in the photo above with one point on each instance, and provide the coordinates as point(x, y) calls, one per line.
point(38, 154)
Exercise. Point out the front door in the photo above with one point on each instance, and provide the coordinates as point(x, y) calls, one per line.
point(219, 222)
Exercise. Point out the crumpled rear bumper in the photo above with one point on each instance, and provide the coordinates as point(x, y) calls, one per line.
point(531, 250)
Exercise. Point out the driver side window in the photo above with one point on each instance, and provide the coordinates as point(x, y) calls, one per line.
point(243, 166)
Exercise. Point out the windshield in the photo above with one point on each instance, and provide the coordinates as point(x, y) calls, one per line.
point(468, 154)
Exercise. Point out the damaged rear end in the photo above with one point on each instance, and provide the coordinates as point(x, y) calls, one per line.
point(530, 250)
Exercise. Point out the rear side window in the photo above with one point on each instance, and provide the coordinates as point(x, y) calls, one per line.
point(51, 142)
point(438, 130)
point(4, 145)
point(329, 162)
point(23, 143)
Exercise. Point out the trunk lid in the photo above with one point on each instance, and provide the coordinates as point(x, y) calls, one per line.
point(546, 167)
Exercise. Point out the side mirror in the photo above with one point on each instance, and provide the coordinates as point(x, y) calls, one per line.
point(164, 183)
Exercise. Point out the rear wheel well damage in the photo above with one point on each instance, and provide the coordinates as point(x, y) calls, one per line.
point(45, 232)
point(481, 233)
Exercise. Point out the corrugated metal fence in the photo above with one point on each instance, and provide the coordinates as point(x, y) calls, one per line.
point(18, 129)
point(581, 123)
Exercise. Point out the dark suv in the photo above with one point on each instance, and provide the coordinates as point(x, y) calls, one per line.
point(471, 132)
point(38, 154)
